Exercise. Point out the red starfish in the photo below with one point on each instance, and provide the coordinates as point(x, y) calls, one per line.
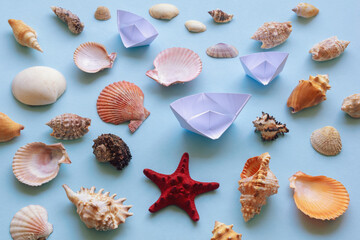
point(179, 188)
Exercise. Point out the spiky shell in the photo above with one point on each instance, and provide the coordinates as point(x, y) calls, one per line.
point(30, 223)
point(351, 105)
point(326, 141)
point(121, 102)
point(309, 93)
point(220, 16)
point(257, 183)
point(269, 128)
point(37, 163)
point(305, 10)
point(224, 232)
point(319, 197)
point(73, 22)
point(24, 34)
point(8, 128)
point(328, 49)
point(69, 126)
point(102, 13)
point(272, 34)
point(222, 50)
point(98, 210)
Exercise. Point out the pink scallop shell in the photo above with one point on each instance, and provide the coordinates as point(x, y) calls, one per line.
point(175, 65)
point(92, 57)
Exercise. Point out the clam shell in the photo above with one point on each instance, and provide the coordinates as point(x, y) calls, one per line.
point(102, 13)
point(222, 50)
point(8, 128)
point(305, 10)
point(351, 105)
point(195, 26)
point(37, 163)
point(175, 65)
point(326, 141)
point(92, 57)
point(319, 197)
point(30, 223)
point(164, 11)
point(121, 102)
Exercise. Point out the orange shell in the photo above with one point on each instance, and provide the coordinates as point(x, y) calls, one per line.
point(8, 128)
point(319, 197)
point(121, 102)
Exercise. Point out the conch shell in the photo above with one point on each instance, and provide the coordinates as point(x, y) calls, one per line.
point(269, 127)
point(8, 128)
point(73, 22)
point(306, 10)
point(309, 93)
point(224, 232)
point(272, 34)
point(351, 105)
point(328, 49)
point(257, 183)
point(24, 34)
point(98, 210)
point(220, 16)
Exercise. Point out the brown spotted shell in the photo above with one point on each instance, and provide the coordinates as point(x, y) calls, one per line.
point(351, 105)
point(328, 49)
point(220, 17)
point(224, 232)
point(326, 141)
point(269, 127)
point(272, 34)
point(73, 21)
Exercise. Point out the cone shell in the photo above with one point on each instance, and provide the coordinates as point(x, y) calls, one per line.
point(326, 141)
point(30, 223)
point(195, 26)
point(309, 93)
point(164, 11)
point(328, 49)
point(73, 22)
point(319, 197)
point(24, 34)
point(37, 163)
point(306, 10)
point(351, 105)
point(269, 128)
point(8, 128)
point(220, 16)
point(98, 210)
point(272, 34)
point(256, 185)
point(69, 126)
point(102, 13)
point(224, 232)
point(121, 102)
point(222, 50)
point(175, 65)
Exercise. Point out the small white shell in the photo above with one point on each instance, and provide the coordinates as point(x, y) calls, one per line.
point(351, 105)
point(195, 26)
point(163, 11)
point(305, 10)
point(326, 141)
point(222, 50)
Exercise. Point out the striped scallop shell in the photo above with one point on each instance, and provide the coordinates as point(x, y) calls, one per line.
point(37, 163)
point(30, 223)
point(175, 65)
point(121, 102)
point(319, 197)
point(222, 50)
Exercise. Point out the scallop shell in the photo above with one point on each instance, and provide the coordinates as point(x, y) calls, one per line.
point(224, 232)
point(24, 34)
point(92, 57)
point(257, 183)
point(222, 50)
point(326, 141)
point(272, 34)
point(37, 163)
point(309, 93)
point(319, 197)
point(175, 65)
point(73, 22)
point(69, 126)
point(306, 10)
point(8, 128)
point(328, 49)
point(164, 11)
point(195, 26)
point(351, 105)
point(98, 210)
point(102, 13)
point(121, 102)
point(31, 223)
point(220, 17)
point(269, 128)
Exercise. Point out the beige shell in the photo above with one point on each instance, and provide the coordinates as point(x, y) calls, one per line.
point(220, 16)
point(269, 128)
point(351, 105)
point(306, 10)
point(328, 49)
point(24, 34)
point(326, 141)
point(69, 126)
point(98, 210)
point(102, 13)
point(164, 11)
point(224, 232)
point(72, 21)
point(272, 34)
point(8, 128)
point(257, 183)
point(30, 223)
point(195, 26)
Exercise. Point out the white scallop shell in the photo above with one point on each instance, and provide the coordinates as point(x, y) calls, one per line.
point(195, 26)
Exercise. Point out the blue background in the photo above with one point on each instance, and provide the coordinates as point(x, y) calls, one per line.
point(159, 143)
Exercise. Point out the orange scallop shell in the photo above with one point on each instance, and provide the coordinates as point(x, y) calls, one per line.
point(319, 197)
point(121, 102)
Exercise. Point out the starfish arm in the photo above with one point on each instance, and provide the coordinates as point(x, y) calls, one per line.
point(158, 178)
point(203, 187)
point(183, 166)
point(159, 204)
point(189, 207)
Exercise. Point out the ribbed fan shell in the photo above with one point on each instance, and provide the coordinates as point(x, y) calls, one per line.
point(326, 141)
point(222, 50)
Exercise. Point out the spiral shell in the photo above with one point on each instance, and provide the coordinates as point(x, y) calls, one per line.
point(224, 232)
point(305, 10)
point(326, 141)
point(272, 34)
point(8, 128)
point(269, 128)
point(24, 35)
point(220, 17)
point(351, 105)
point(328, 49)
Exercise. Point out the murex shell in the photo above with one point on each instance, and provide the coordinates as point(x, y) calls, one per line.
point(69, 126)
point(305, 10)
point(175, 65)
point(222, 50)
point(319, 197)
point(73, 22)
point(98, 210)
point(326, 141)
point(37, 163)
point(272, 34)
point(351, 105)
point(328, 49)
point(30, 223)
point(224, 232)
point(269, 127)
point(164, 11)
point(24, 34)
point(38, 85)
point(309, 93)
point(92, 57)
point(8, 128)
point(102, 13)
point(121, 102)
point(220, 17)
point(257, 183)
point(195, 26)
